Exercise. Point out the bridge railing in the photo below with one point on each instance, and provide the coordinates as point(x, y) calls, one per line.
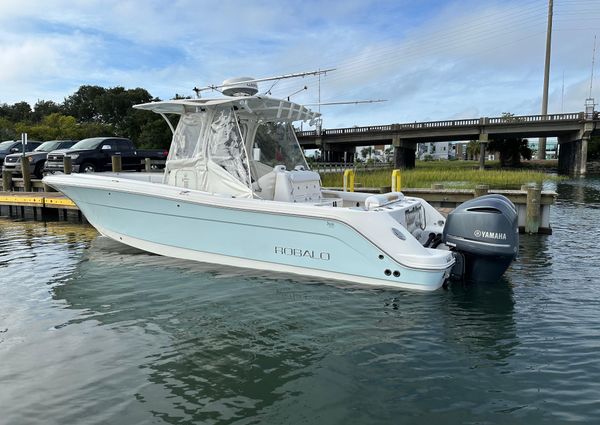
point(354, 130)
point(438, 124)
point(535, 118)
point(522, 119)
point(340, 167)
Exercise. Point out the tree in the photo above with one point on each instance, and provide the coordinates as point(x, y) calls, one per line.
point(594, 149)
point(511, 150)
point(57, 126)
point(388, 154)
point(7, 129)
point(367, 152)
point(473, 149)
point(43, 108)
point(112, 107)
point(155, 134)
point(54, 126)
point(20, 111)
point(115, 107)
point(82, 103)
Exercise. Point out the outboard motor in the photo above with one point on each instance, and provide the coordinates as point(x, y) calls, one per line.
point(484, 235)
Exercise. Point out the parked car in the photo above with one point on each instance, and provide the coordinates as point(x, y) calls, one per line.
point(36, 158)
point(15, 146)
point(94, 154)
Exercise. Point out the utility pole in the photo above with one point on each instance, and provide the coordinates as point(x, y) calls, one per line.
point(542, 142)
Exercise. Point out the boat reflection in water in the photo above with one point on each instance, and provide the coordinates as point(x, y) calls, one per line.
point(204, 343)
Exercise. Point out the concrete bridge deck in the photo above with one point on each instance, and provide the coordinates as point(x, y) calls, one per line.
point(573, 131)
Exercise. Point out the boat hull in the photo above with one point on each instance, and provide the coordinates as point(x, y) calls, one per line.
point(289, 243)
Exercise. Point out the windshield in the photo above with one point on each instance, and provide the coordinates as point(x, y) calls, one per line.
point(276, 144)
point(47, 146)
point(6, 145)
point(88, 143)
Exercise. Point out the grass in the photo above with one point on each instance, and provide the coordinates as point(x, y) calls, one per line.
point(452, 174)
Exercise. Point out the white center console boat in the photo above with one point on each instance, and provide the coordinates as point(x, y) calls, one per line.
point(237, 191)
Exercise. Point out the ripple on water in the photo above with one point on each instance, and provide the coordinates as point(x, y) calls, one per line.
point(95, 332)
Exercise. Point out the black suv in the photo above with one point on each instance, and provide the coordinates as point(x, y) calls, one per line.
point(37, 158)
point(15, 146)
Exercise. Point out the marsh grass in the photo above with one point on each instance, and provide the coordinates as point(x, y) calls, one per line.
point(452, 174)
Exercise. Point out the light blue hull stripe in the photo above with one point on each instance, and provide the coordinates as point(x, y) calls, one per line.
point(310, 243)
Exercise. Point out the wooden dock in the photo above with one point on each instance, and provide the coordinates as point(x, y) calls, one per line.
point(39, 206)
point(34, 199)
point(533, 204)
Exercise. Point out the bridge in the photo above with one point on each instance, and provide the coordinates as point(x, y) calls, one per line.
point(573, 131)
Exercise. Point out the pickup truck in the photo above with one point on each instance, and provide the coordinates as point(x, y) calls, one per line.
point(15, 146)
point(94, 154)
point(36, 158)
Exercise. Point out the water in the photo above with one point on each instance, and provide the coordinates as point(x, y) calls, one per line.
point(93, 332)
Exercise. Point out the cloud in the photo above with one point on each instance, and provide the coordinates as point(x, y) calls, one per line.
point(430, 59)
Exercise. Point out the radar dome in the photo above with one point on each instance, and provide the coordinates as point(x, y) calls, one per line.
point(240, 86)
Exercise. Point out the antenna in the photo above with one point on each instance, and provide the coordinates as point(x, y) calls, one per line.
point(319, 121)
point(297, 91)
point(562, 97)
point(319, 93)
point(260, 80)
point(593, 63)
point(348, 102)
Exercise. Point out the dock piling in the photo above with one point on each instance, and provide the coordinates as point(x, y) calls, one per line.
point(26, 172)
point(117, 164)
point(67, 164)
point(6, 181)
point(396, 181)
point(481, 190)
point(532, 218)
point(349, 181)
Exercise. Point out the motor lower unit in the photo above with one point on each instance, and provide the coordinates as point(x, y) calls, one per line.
point(483, 233)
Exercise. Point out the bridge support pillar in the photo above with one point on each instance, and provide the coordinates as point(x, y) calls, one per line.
point(404, 154)
point(572, 156)
point(483, 141)
point(572, 151)
point(333, 153)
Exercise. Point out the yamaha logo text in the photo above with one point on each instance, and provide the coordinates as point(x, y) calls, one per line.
point(489, 235)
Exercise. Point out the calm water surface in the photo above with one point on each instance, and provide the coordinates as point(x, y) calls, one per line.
point(93, 332)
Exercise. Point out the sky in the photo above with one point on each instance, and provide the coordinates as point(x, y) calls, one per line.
point(429, 59)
